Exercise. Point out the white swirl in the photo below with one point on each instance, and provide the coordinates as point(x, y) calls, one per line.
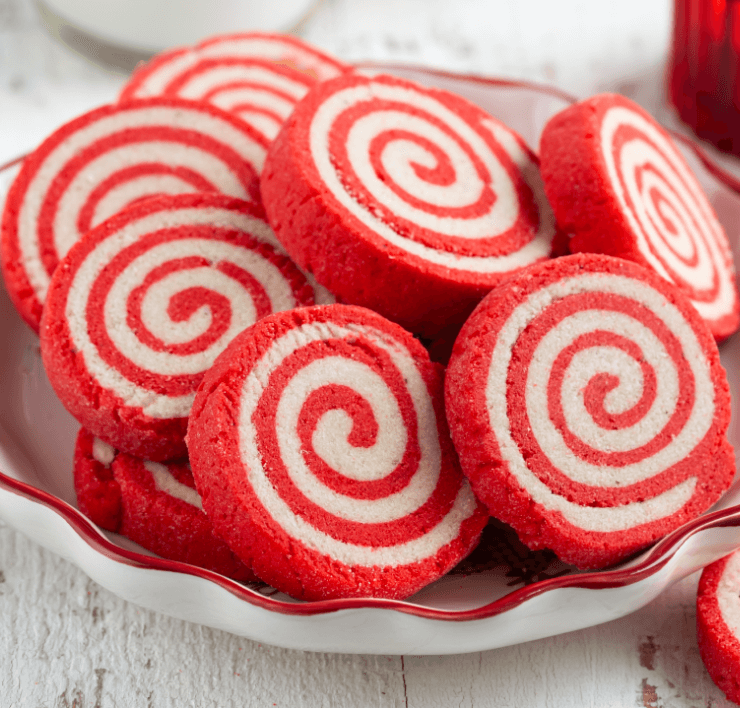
point(237, 87)
point(653, 165)
point(359, 463)
point(243, 313)
point(244, 103)
point(399, 157)
point(65, 229)
point(103, 452)
point(166, 482)
point(595, 361)
point(550, 440)
point(283, 50)
point(117, 199)
point(219, 75)
point(728, 597)
point(153, 405)
point(391, 433)
point(580, 422)
point(397, 160)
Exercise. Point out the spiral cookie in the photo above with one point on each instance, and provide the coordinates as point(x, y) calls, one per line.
point(589, 408)
point(258, 77)
point(383, 181)
point(140, 307)
point(620, 186)
point(718, 623)
point(99, 163)
point(153, 504)
point(320, 448)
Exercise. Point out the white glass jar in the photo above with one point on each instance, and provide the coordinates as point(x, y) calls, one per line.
point(152, 25)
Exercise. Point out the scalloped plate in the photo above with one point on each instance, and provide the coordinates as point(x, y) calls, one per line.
point(502, 595)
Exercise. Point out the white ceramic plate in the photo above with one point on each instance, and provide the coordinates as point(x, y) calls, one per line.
point(503, 595)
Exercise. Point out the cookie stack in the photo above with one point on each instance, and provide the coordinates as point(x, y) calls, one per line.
point(180, 254)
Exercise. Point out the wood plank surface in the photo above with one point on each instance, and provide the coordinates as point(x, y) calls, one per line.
point(67, 643)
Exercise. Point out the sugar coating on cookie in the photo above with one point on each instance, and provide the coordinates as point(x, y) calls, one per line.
point(589, 408)
point(156, 505)
point(140, 308)
point(619, 185)
point(258, 77)
point(110, 158)
point(320, 449)
point(718, 623)
point(405, 199)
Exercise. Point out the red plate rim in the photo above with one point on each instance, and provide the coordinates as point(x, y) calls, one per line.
point(656, 558)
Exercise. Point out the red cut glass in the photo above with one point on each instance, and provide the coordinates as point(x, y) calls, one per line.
point(704, 69)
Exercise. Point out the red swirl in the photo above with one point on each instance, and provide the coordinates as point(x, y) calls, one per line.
point(697, 224)
point(442, 169)
point(668, 229)
point(182, 305)
point(363, 434)
point(180, 308)
point(197, 182)
point(245, 173)
point(593, 395)
point(285, 53)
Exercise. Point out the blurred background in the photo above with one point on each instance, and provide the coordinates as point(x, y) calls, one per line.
point(47, 75)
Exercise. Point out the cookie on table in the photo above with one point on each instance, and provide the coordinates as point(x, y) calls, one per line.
point(142, 305)
point(718, 623)
point(589, 408)
point(110, 158)
point(258, 77)
point(619, 185)
point(408, 200)
point(319, 445)
point(153, 504)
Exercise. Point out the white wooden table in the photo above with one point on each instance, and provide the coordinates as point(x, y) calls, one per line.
point(65, 642)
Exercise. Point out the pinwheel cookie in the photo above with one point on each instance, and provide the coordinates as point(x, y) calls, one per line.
point(153, 504)
point(718, 623)
point(405, 199)
point(140, 308)
point(319, 445)
point(619, 185)
point(589, 408)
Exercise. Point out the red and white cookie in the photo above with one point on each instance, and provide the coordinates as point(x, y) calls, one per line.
point(405, 199)
point(156, 76)
point(153, 504)
point(619, 185)
point(107, 159)
point(258, 77)
point(718, 623)
point(589, 408)
point(319, 445)
point(140, 307)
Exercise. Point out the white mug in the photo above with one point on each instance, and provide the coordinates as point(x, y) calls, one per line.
point(152, 25)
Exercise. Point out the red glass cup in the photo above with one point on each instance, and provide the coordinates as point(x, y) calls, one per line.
point(704, 69)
